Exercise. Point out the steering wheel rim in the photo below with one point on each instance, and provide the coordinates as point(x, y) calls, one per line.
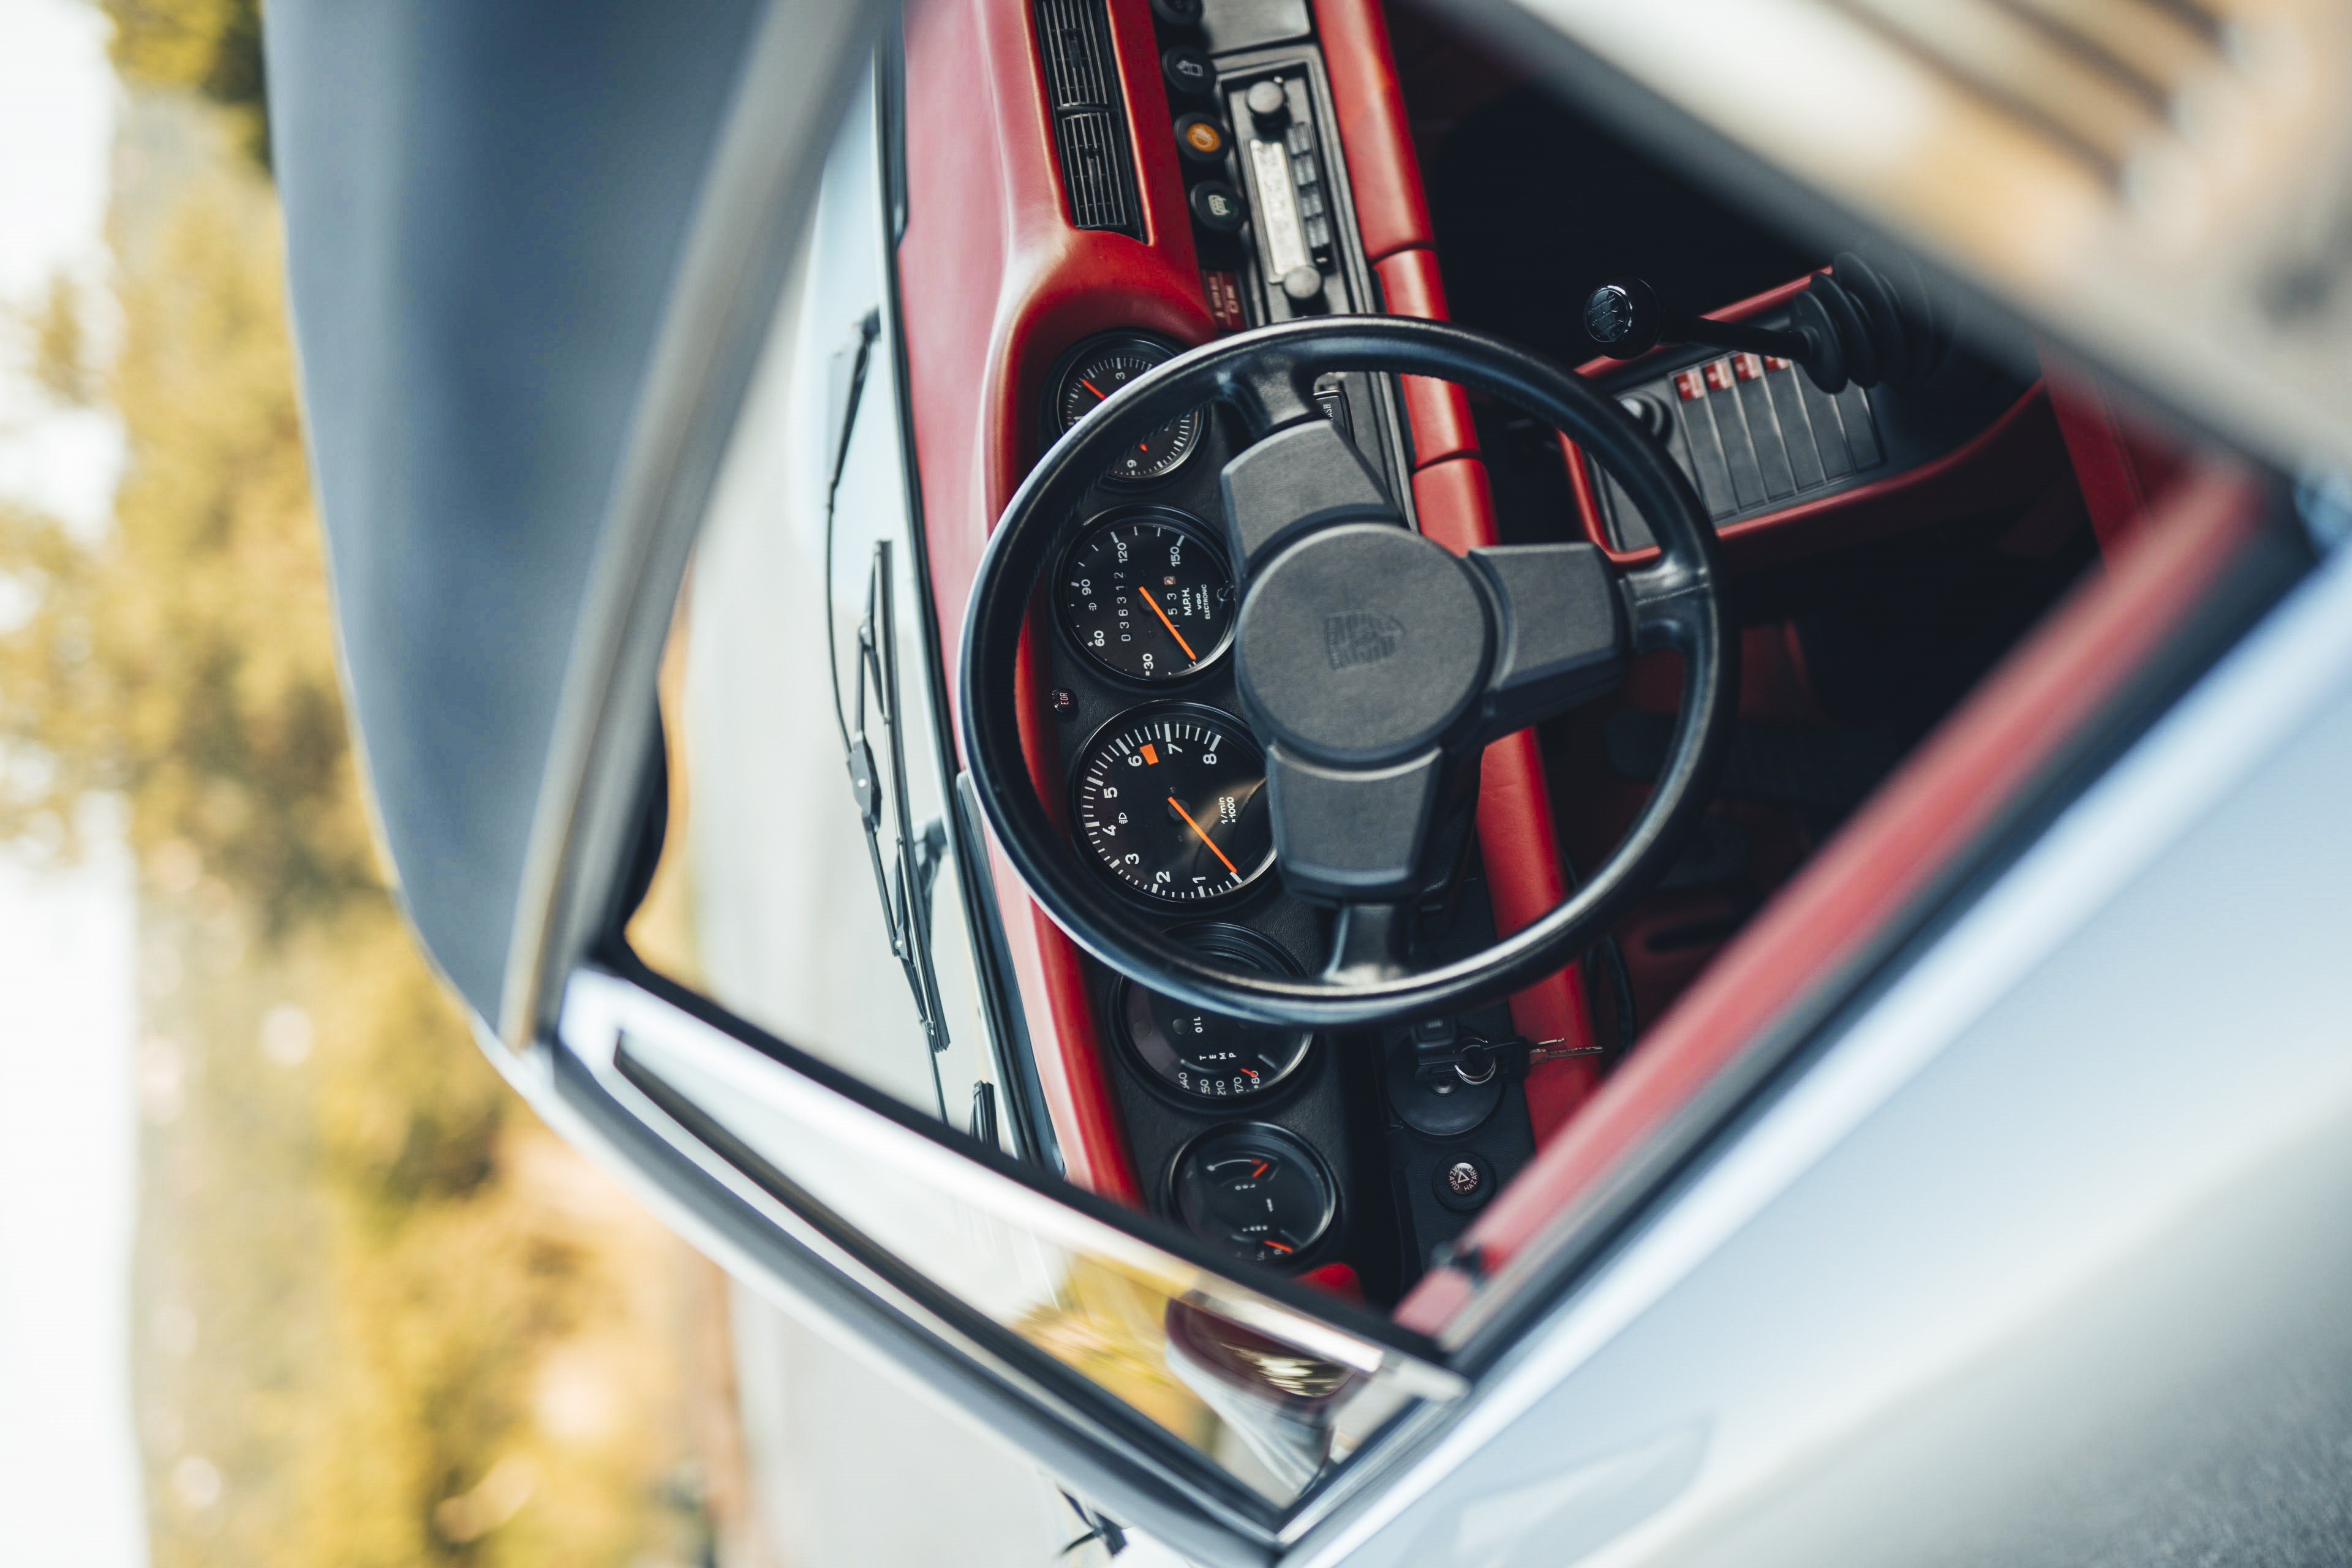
point(1266, 374)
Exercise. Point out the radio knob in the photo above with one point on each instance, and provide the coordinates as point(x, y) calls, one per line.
point(1269, 107)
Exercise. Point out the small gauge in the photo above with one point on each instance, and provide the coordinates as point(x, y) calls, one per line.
point(1102, 369)
point(1146, 596)
point(1170, 800)
point(1256, 1191)
point(1200, 1055)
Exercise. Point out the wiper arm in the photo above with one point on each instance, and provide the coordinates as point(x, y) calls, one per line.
point(905, 888)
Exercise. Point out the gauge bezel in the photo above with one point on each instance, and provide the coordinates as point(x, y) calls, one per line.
point(1050, 426)
point(1328, 1230)
point(1239, 943)
point(1252, 883)
point(1149, 511)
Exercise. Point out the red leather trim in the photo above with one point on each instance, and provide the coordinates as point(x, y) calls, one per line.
point(1438, 411)
point(2121, 467)
point(1919, 822)
point(1517, 839)
point(995, 284)
point(2019, 454)
point(1384, 175)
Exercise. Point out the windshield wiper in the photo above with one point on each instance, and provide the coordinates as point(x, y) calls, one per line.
point(903, 880)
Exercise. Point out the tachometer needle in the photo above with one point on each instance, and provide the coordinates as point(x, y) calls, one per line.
point(1172, 632)
point(1100, 395)
point(1204, 838)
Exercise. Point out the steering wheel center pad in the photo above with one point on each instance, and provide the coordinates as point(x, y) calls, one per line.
point(1363, 645)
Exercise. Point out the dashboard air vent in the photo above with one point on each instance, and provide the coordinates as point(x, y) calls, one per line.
point(1089, 119)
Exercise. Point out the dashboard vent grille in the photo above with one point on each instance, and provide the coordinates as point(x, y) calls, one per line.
point(1089, 119)
point(1092, 151)
point(1071, 32)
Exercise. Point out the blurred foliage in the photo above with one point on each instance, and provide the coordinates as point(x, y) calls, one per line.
point(385, 1317)
point(211, 45)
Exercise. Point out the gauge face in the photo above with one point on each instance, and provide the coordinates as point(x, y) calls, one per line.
point(1200, 1055)
point(1146, 597)
point(1171, 801)
point(1102, 370)
point(1255, 1192)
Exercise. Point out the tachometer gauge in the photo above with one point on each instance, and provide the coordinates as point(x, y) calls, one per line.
point(1100, 369)
point(1255, 1192)
point(1198, 1054)
point(1146, 596)
point(1170, 800)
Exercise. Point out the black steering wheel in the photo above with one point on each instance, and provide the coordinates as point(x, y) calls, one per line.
point(1374, 667)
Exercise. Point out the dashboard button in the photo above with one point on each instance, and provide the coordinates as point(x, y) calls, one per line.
point(1218, 207)
point(1200, 139)
point(1189, 70)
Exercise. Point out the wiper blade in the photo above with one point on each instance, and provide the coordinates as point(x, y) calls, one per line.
point(903, 879)
point(904, 887)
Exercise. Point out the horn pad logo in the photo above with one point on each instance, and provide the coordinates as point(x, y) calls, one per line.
point(1361, 636)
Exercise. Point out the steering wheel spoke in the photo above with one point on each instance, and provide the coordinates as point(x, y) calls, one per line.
point(1370, 941)
point(1348, 834)
point(1293, 483)
point(1564, 634)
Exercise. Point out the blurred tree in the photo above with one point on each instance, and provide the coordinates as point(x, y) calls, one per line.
point(212, 45)
point(398, 1323)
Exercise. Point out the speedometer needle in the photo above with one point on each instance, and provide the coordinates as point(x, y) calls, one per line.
point(1204, 838)
point(1154, 603)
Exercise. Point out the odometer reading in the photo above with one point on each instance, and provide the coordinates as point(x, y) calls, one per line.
point(1171, 801)
point(1089, 382)
point(1146, 597)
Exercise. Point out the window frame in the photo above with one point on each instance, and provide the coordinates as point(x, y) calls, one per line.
point(565, 936)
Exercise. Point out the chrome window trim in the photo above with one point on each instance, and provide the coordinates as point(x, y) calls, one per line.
point(600, 1008)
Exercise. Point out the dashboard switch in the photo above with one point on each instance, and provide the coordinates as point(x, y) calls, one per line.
point(1217, 207)
point(1200, 139)
point(1189, 70)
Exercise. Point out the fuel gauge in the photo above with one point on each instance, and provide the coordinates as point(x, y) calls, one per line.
point(1257, 1193)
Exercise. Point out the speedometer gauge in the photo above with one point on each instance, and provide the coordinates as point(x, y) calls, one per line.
point(1146, 596)
point(1170, 800)
point(1100, 369)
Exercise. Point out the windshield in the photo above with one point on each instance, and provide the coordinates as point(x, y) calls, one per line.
point(808, 880)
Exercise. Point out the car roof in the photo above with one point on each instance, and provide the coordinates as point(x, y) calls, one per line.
point(484, 208)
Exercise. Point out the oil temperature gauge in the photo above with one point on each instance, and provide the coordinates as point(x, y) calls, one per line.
point(1197, 1055)
point(1257, 1193)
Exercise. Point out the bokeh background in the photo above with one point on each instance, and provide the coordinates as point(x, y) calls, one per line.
point(287, 1275)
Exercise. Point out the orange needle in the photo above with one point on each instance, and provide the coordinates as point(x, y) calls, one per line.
point(1204, 838)
point(1090, 386)
point(1172, 632)
point(1259, 1172)
point(1279, 1248)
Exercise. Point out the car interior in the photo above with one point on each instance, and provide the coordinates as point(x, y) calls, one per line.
point(1939, 549)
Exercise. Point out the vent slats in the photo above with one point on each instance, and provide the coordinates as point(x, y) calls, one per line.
point(1072, 34)
point(1089, 121)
